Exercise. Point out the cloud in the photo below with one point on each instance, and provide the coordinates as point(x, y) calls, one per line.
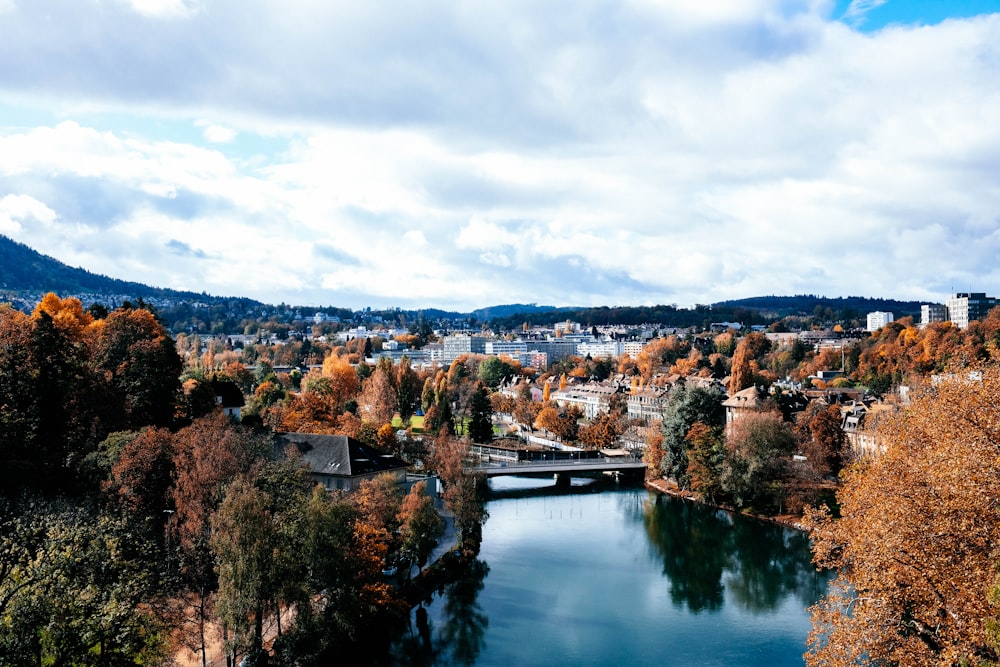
point(559, 152)
point(858, 9)
point(180, 248)
point(163, 8)
point(18, 210)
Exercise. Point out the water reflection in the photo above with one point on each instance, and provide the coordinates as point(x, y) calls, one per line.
point(461, 636)
point(705, 554)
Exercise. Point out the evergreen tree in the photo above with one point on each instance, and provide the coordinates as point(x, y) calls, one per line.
point(481, 415)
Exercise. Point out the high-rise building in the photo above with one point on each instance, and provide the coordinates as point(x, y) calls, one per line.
point(967, 307)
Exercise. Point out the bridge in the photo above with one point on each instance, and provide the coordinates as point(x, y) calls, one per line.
point(561, 468)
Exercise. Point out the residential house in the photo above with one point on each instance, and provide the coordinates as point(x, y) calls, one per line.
point(229, 398)
point(741, 404)
point(339, 462)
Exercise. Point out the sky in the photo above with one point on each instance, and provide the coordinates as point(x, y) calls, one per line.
point(458, 154)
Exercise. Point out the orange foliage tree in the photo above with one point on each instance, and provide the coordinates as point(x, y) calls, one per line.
point(916, 546)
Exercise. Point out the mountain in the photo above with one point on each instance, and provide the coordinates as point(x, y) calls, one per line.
point(23, 269)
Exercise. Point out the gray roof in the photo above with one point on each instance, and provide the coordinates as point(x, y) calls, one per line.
point(337, 455)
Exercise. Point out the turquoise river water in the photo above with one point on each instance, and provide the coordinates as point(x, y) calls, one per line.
point(619, 576)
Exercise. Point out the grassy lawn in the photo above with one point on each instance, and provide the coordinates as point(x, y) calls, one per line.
point(416, 423)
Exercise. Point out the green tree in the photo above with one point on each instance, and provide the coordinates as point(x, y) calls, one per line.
point(753, 466)
point(480, 427)
point(494, 370)
point(75, 587)
point(685, 408)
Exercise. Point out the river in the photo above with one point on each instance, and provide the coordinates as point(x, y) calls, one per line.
point(619, 576)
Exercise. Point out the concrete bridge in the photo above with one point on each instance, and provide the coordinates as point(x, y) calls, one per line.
point(561, 469)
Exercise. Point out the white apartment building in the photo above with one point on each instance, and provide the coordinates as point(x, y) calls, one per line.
point(601, 349)
point(878, 319)
point(512, 348)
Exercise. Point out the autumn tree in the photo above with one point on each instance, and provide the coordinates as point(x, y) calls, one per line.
point(652, 456)
point(138, 355)
point(377, 402)
point(748, 350)
point(823, 440)
point(915, 547)
point(419, 523)
point(559, 422)
point(462, 491)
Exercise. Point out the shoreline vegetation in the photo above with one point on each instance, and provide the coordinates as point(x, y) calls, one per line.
point(668, 488)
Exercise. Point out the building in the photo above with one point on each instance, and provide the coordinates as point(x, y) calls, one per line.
point(512, 348)
point(229, 398)
point(648, 403)
point(933, 312)
point(878, 319)
point(458, 344)
point(742, 403)
point(593, 398)
point(607, 349)
point(337, 461)
point(556, 348)
point(967, 307)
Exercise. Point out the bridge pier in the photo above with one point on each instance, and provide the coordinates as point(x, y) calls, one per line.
point(562, 480)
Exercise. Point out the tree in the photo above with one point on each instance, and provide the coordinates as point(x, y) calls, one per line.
point(753, 465)
point(419, 523)
point(480, 415)
point(408, 387)
point(915, 546)
point(461, 490)
point(75, 587)
point(138, 355)
point(750, 348)
point(653, 454)
point(562, 424)
point(244, 542)
point(494, 370)
point(377, 402)
point(824, 444)
point(706, 457)
point(685, 408)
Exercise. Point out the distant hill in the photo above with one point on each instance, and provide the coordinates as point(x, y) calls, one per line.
point(806, 304)
point(23, 269)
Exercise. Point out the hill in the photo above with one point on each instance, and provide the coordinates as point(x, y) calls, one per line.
point(806, 304)
point(23, 269)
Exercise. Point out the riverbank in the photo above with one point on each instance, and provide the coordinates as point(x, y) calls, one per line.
point(668, 488)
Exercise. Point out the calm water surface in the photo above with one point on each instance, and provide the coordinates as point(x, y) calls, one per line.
point(620, 577)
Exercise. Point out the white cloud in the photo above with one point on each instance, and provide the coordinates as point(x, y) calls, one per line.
point(217, 134)
point(163, 8)
point(650, 152)
point(16, 211)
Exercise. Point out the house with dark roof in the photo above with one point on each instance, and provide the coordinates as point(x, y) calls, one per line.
point(228, 397)
point(338, 461)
